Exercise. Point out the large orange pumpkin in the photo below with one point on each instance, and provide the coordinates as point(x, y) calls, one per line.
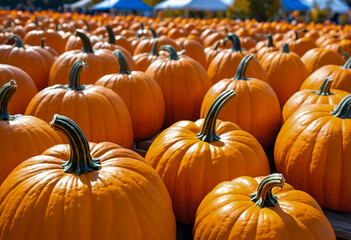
point(53, 39)
point(143, 60)
point(184, 83)
point(21, 136)
point(255, 109)
point(313, 151)
point(103, 192)
point(193, 157)
point(99, 111)
point(101, 62)
point(255, 208)
point(142, 96)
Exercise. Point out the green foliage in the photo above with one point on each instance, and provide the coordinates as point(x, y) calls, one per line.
point(261, 10)
point(152, 2)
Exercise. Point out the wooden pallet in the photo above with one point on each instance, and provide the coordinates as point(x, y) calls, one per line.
point(341, 222)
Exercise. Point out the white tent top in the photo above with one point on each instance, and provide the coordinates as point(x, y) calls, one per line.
point(106, 4)
point(337, 6)
point(229, 3)
point(201, 5)
point(78, 4)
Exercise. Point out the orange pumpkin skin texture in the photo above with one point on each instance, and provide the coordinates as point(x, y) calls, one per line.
point(25, 91)
point(113, 190)
point(53, 39)
point(319, 57)
point(183, 82)
point(255, 109)
point(301, 45)
point(143, 60)
point(229, 212)
point(267, 48)
point(33, 60)
point(101, 62)
point(314, 146)
point(99, 111)
point(211, 53)
point(193, 157)
point(285, 71)
point(307, 97)
point(195, 50)
point(142, 96)
point(21, 137)
point(224, 65)
point(340, 74)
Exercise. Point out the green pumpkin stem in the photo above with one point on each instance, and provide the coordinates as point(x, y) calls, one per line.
point(241, 71)
point(154, 34)
point(18, 41)
point(270, 40)
point(6, 93)
point(285, 48)
point(264, 197)
point(296, 35)
point(217, 44)
point(42, 42)
point(122, 62)
point(111, 35)
point(173, 55)
point(347, 65)
point(154, 51)
point(87, 47)
point(208, 131)
point(87, 25)
point(80, 160)
point(236, 47)
point(74, 76)
point(140, 32)
point(343, 110)
point(324, 90)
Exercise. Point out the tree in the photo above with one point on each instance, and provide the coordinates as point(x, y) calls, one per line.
point(152, 2)
point(262, 10)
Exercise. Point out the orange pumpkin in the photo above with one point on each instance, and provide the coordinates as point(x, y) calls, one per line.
point(143, 60)
point(193, 157)
point(22, 136)
point(301, 45)
point(184, 83)
point(308, 97)
point(142, 96)
point(70, 187)
point(99, 111)
point(195, 50)
point(53, 39)
point(255, 208)
point(313, 151)
point(266, 49)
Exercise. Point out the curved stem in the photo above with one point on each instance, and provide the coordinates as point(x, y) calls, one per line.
point(154, 34)
point(208, 131)
point(296, 35)
point(343, 110)
point(80, 160)
point(347, 65)
point(141, 30)
point(74, 76)
point(6, 93)
point(18, 41)
point(87, 25)
point(154, 51)
point(263, 197)
point(122, 62)
point(236, 47)
point(173, 55)
point(270, 40)
point(111, 35)
point(285, 48)
point(87, 47)
point(324, 90)
point(241, 71)
point(217, 44)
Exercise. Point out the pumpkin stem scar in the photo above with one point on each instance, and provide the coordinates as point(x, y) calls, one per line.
point(122, 62)
point(6, 93)
point(264, 196)
point(324, 90)
point(87, 47)
point(173, 55)
point(241, 71)
point(343, 110)
point(208, 131)
point(80, 160)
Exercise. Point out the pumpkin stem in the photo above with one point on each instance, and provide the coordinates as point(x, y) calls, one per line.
point(208, 131)
point(154, 51)
point(74, 76)
point(42, 42)
point(154, 34)
point(236, 47)
point(173, 55)
point(87, 47)
point(264, 197)
point(6, 93)
point(343, 110)
point(122, 62)
point(141, 30)
point(347, 65)
point(87, 25)
point(217, 44)
point(111, 35)
point(270, 40)
point(296, 35)
point(18, 41)
point(325, 87)
point(80, 160)
point(285, 48)
point(241, 71)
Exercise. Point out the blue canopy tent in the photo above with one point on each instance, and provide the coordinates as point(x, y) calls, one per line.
point(121, 4)
point(198, 5)
point(294, 5)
